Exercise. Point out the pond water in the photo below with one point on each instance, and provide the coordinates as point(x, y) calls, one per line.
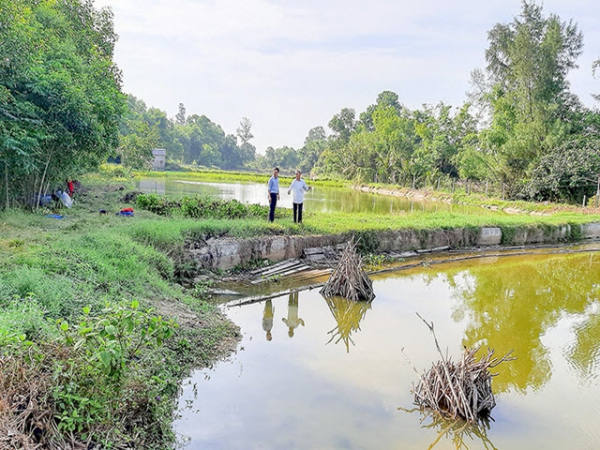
point(331, 374)
point(318, 199)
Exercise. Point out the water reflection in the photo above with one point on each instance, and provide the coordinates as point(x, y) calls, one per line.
point(348, 315)
point(584, 354)
point(546, 307)
point(513, 304)
point(267, 321)
point(461, 433)
point(292, 320)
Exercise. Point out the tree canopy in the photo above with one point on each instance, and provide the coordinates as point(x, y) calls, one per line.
point(60, 93)
point(62, 112)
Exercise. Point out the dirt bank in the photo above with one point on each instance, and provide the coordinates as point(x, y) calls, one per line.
point(227, 253)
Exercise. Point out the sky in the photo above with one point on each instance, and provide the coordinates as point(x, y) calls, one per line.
point(290, 66)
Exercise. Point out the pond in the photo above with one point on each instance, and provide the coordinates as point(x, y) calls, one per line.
point(330, 374)
point(318, 199)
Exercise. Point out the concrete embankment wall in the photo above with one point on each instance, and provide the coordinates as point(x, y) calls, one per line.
point(229, 252)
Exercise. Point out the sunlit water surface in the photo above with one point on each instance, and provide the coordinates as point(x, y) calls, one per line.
point(317, 374)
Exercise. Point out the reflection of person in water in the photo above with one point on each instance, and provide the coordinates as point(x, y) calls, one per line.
point(293, 320)
point(268, 319)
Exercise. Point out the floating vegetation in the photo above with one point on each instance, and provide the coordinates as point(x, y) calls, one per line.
point(349, 280)
point(461, 390)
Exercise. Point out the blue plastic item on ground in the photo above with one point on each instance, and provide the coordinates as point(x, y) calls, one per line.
point(54, 216)
point(42, 200)
point(125, 213)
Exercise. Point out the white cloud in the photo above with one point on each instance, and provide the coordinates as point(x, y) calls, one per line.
point(289, 66)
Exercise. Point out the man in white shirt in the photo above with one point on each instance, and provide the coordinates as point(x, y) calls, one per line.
point(298, 187)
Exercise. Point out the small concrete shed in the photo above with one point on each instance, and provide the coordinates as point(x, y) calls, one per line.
point(160, 158)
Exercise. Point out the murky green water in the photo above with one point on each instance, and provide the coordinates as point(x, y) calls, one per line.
point(317, 374)
point(320, 199)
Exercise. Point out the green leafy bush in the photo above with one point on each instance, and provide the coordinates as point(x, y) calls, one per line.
point(156, 203)
point(105, 351)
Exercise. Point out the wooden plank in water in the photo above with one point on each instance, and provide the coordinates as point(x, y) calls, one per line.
point(273, 266)
point(281, 268)
point(309, 275)
point(434, 250)
point(313, 251)
point(289, 271)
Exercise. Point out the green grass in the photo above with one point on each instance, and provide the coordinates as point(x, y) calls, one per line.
point(51, 270)
point(163, 232)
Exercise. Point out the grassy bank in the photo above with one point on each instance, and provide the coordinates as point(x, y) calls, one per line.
point(177, 226)
point(95, 334)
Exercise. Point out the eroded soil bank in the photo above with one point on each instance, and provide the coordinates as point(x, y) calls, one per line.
point(228, 253)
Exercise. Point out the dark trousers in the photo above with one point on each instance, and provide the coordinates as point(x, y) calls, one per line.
point(298, 212)
point(273, 204)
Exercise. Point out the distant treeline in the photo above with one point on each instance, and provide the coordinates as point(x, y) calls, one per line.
point(520, 127)
point(62, 112)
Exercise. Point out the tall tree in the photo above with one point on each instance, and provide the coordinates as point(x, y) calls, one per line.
point(244, 133)
point(595, 67)
point(528, 62)
point(136, 147)
point(180, 116)
point(314, 144)
point(384, 99)
point(342, 125)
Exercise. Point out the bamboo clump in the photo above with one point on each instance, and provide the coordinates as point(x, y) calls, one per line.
point(349, 280)
point(461, 390)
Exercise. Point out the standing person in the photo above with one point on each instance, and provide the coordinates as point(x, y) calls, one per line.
point(298, 187)
point(273, 189)
point(70, 187)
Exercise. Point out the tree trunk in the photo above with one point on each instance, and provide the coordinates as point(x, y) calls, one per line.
point(37, 203)
point(6, 185)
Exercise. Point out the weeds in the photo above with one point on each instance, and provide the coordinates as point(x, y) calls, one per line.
point(106, 376)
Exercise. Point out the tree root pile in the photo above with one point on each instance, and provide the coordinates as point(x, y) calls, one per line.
point(460, 390)
point(349, 280)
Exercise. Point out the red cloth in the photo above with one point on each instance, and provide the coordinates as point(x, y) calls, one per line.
point(71, 188)
point(127, 210)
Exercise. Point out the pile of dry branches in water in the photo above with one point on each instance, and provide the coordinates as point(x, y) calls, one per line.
point(349, 280)
point(460, 390)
